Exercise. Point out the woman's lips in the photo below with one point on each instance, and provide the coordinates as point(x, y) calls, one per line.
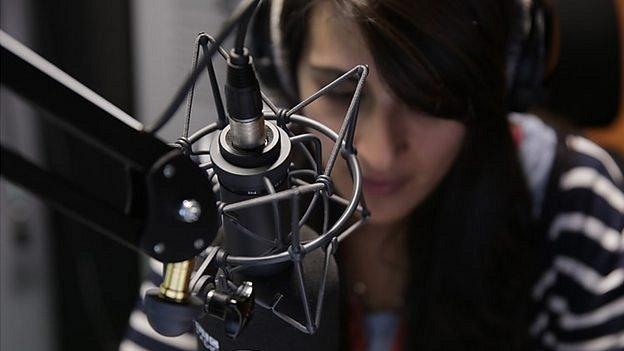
point(381, 187)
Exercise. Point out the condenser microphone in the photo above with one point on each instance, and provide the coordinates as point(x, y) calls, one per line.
point(270, 282)
point(252, 159)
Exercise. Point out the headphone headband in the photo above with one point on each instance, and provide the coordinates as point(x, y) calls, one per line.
point(524, 67)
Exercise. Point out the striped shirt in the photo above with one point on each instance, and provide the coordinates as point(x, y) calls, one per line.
point(579, 297)
point(578, 199)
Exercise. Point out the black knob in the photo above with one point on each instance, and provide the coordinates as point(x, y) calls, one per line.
point(168, 317)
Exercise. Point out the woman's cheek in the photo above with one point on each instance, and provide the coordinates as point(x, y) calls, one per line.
point(437, 150)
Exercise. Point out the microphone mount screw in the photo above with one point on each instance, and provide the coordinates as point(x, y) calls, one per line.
point(169, 171)
point(189, 211)
point(159, 248)
point(199, 243)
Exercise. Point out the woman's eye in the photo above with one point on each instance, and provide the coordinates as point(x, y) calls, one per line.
point(340, 96)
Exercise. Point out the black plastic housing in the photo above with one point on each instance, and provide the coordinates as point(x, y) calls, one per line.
point(242, 90)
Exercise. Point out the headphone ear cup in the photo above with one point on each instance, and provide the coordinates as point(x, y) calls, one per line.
point(267, 51)
point(525, 56)
point(261, 50)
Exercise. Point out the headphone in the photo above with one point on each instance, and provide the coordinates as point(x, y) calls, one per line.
point(525, 56)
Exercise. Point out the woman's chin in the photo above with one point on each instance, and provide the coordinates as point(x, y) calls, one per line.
point(381, 214)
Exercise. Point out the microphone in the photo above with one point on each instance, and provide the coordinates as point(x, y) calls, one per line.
point(261, 218)
point(269, 278)
point(251, 158)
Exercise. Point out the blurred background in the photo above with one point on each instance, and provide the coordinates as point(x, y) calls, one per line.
point(63, 287)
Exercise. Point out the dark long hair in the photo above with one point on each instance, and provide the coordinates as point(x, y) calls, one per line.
point(471, 249)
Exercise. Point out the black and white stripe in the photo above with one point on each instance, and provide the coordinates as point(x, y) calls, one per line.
point(581, 291)
point(579, 298)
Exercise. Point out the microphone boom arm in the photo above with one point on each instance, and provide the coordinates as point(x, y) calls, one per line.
point(149, 222)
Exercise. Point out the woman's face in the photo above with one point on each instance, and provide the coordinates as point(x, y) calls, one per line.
point(403, 153)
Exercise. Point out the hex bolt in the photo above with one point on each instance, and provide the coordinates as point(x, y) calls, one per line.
point(168, 171)
point(189, 211)
point(159, 248)
point(198, 244)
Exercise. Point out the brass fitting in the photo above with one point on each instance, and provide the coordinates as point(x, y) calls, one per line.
point(175, 285)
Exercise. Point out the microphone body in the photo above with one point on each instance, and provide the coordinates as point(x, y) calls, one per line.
point(245, 175)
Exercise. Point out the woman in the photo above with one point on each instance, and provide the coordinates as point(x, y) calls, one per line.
point(452, 214)
point(477, 251)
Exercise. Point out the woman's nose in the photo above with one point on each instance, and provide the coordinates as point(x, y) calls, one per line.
point(376, 143)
